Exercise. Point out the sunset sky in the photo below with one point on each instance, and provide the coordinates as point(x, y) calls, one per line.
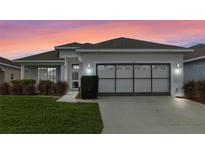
point(22, 38)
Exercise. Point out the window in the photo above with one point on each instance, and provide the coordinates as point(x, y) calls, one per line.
point(47, 74)
point(12, 76)
point(75, 66)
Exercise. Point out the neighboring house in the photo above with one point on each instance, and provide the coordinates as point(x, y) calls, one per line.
point(194, 64)
point(125, 66)
point(9, 70)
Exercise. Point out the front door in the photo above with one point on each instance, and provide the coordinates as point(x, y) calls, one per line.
point(75, 76)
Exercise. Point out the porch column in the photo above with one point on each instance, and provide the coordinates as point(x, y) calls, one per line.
point(22, 71)
point(62, 73)
point(66, 70)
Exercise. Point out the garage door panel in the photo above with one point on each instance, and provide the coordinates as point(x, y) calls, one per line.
point(124, 71)
point(142, 71)
point(142, 85)
point(106, 71)
point(160, 71)
point(160, 85)
point(124, 85)
point(106, 85)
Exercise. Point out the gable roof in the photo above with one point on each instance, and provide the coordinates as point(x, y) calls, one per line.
point(4, 61)
point(50, 55)
point(128, 43)
point(199, 53)
point(120, 43)
point(116, 43)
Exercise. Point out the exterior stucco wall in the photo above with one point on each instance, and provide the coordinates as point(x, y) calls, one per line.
point(194, 70)
point(8, 71)
point(173, 59)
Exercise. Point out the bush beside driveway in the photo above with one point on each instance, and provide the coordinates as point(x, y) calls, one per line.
point(35, 115)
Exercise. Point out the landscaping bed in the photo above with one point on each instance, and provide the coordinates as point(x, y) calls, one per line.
point(195, 91)
point(36, 115)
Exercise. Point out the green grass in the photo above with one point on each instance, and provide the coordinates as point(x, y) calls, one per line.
point(36, 115)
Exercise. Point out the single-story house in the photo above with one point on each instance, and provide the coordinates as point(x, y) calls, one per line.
point(194, 63)
point(125, 66)
point(9, 70)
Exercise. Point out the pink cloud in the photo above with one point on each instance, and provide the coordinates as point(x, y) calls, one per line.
point(32, 38)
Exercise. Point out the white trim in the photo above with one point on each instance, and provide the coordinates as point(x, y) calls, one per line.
point(38, 61)
point(194, 59)
point(134, 50)
point(10, 65)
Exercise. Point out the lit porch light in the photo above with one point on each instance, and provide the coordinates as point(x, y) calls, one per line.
point(89, 70)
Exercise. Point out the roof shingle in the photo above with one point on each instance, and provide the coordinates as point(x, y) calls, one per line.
point(128, 43)
point(50, 55)
point(199, 51)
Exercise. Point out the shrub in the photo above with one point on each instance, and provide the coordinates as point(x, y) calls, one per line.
point(46, 87)
point(29, 87)
point(190, 89)
point(201, 89)
point(4, 88)
point(24, 87)
point(89, 87)
point(17, 89)
point(61, 88)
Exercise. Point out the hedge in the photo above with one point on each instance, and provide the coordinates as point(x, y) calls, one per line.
point(46, 87)
point(61, 88)
point(4, 88)
point(27, 87)
point(23, 87)
point(89, 87)
point(195, 89)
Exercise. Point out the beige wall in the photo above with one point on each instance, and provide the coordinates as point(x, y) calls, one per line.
point(8, 71)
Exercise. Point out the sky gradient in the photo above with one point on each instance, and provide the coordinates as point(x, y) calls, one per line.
point(22, 38)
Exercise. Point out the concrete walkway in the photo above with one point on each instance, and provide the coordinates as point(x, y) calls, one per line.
point(151, 114)
point(71, 98)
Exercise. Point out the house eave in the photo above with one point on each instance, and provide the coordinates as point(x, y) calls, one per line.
point(135, 50)
point(194, 59)
point(10, 65)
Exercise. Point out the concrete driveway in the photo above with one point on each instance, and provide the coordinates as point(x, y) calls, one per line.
point(151, 114)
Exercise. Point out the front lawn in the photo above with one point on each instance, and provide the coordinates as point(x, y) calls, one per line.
point(35, 115)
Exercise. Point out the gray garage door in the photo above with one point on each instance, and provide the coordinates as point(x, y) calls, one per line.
point(134, 79)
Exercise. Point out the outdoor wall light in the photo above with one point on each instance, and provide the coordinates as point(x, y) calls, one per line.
point(177, 69)
point(177, 65)
point(89, 70)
